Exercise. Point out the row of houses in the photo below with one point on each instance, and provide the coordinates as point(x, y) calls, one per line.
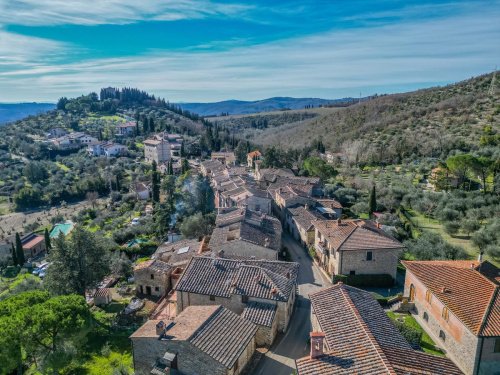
point(457, 303)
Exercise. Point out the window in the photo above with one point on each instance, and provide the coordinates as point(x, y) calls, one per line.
point(444, 313)
point(152, 277)
point(257, 207)
point(497, 346)
point(157, 288)
point(212, 298)
point(352, 273)
point(442, 336)
point(369, 255)
point(244, 299)
point(428, 296)
point(426, 317)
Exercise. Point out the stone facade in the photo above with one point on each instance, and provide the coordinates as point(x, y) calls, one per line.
point(265, 335)
point(157, 150)
point(383, 261)
point(460, 344)
point(152, 282)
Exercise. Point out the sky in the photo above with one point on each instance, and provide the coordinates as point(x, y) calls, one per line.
point(211, 50)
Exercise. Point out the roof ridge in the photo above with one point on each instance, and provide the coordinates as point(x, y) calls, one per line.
point(366, 330)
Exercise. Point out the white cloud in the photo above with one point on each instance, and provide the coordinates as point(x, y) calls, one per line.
point(333, 64)
point(85, 12)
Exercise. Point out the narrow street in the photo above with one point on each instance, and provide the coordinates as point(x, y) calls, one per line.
point(280, 360)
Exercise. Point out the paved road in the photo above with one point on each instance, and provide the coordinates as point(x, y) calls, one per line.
point(280, 360)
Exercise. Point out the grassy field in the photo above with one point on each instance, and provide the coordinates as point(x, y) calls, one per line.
point(433, 225)
point(427, 344)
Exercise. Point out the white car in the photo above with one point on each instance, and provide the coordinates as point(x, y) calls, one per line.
point(135, 221)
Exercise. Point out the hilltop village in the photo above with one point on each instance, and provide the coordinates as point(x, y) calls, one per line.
point(173, 247)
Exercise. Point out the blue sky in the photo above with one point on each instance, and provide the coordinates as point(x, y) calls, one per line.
point(209, 50)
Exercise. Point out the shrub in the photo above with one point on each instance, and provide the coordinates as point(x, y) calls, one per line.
point(378, 280)
point(412, 335)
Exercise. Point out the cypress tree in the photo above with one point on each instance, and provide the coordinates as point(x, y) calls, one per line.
point(48, 245)
point(19, 251)
point(373, 201)
point(170, 168)
point(145, 125)
point(14, 255)
point(137, 130)
point(155, 181)
point(151, 125)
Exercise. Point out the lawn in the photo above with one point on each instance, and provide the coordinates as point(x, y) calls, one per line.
point(433, 225)
point(427, 344)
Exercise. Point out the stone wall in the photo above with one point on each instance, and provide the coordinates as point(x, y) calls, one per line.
point(460, 344)
point(490, 361)
point(383, 262)
point(160, 284)
point(265, 335)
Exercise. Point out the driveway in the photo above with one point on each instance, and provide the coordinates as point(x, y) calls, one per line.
point(280, 360)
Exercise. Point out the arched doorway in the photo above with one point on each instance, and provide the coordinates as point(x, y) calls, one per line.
point(412, 293)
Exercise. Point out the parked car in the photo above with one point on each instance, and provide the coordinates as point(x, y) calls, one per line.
point(40, 269)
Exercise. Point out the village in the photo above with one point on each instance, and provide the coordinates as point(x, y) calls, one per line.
point(283, 269)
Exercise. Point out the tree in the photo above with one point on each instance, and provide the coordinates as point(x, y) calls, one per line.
point(19, 251)
point(315, 166)
point(13, 254)
point(372, 204)
point(137, 130)
point(196, 226)
point(460, 165)
point(46, 236)
point(168, 186)
point(145, 126)
point(77, 264)
point(482, 166)
point(151, 125)
point(430, 246)
point(162, 217)
point(36, 172)
point(469, 226)
point(184, 166)
point(92, 197)
point(155, 183)
point(451, 227)
point(61, 103)
point(121, 265)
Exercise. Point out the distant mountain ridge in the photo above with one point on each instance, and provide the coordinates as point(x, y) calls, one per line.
point(241, 107)
point(16, 111)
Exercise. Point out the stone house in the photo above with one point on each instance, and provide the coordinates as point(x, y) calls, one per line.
point(156, 149)
point(107, 149)
point(263, 315)
point(355, 247)
point(243, 233)
point(200, 340)
point(126, 130)
point(458, 304)
point(141, 190)
point(226, 158)
point(352, 334)
point(235, 284)
point(245, 196)
point(252, 157)
point(152, 278)
point(33, 245)
point(103, 296)
point(74, 140)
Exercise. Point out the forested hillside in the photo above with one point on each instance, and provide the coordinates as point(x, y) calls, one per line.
point(387, 129)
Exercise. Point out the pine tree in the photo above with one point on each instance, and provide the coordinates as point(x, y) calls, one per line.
point(19, 251)
point(373, 201)
point(48, 245)
point(14, 255)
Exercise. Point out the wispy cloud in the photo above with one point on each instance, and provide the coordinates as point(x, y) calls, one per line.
point(85, 12)
point(332, 64)
point(378, 58)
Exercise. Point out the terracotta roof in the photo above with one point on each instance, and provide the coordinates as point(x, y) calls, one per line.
point(331, 203)
point(102, 292)
point(262, 314)
point(31, 240)
point(153, 265)
point(469, 295)
point(303, 217)
point(224, 336)
point(273, 280)
point(254, 154)
point(176, 253)
point(355, 235)
point(361, 339)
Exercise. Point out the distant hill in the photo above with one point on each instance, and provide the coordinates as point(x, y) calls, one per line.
point(240, 107)
point(16, 111)
point(429, 122)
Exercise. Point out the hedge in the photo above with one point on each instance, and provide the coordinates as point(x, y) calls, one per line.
point(378, 280)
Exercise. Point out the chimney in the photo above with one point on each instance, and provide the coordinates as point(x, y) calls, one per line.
point(160, 328)
point(317, 341)
point(480, 257)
